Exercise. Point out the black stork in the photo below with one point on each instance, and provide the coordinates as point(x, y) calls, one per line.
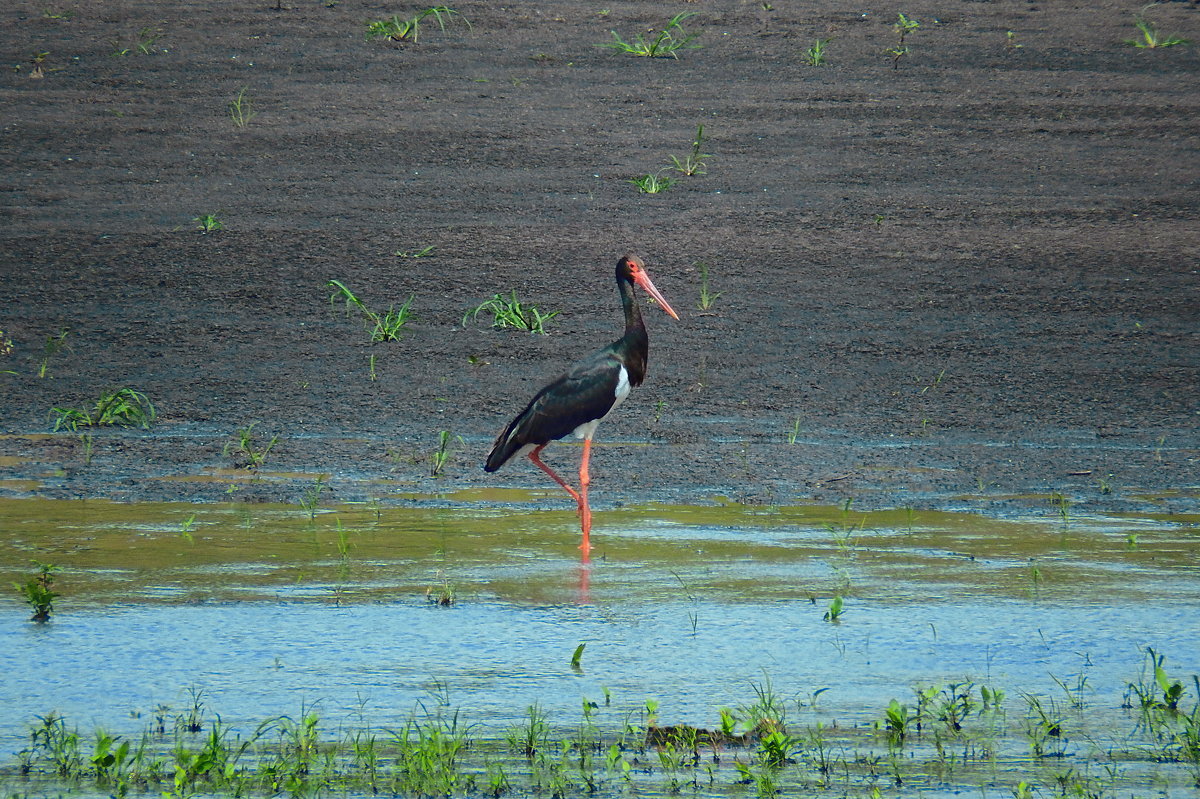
point(579, 399)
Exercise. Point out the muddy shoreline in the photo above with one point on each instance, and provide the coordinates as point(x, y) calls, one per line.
point(969, 282)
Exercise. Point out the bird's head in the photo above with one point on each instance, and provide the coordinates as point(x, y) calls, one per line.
point(632, 268)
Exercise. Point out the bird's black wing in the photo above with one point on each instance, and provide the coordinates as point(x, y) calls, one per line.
point(584, 394)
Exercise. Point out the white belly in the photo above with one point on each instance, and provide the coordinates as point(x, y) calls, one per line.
point(588, 429)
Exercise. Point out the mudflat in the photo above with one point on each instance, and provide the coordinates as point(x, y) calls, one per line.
point(962, 276)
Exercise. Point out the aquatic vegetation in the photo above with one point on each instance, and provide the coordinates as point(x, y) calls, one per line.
point(441, 594)
point(1044, 726)
point(386, 326)
point(310, 500)
point(38, 591)
point(510, 312)
point(669, 41)
point(896, 721)
point(122, 407)
point(836, 609)
point(950, 704)
point(437, 754)
point(1062, 504)
point(531, 737)
point(1154, 690)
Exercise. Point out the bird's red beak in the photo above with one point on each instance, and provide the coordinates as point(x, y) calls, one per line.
point(642, 279)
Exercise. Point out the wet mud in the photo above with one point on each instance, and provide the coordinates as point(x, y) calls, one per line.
point(956, 283)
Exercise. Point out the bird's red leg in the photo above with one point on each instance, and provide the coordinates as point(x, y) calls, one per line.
point(585, 512)
point(533, 456)
point(580, 497)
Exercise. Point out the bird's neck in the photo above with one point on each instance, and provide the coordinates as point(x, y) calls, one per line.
point(634, 345)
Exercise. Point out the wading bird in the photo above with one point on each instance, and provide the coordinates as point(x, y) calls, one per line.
point(579, 399)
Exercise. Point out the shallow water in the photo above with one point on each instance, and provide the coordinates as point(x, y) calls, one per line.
point(266, 610)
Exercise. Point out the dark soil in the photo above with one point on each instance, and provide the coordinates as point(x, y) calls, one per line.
point(970, 280)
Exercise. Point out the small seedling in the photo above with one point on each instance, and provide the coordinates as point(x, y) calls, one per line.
point(669, 41)
point(442, 594)
point(209, 223)
point(246, 448)
point(707, 296)
point(794, 433)
point(652, 183)
point(38, 60)
point(509, 312)
point(1150, 37)
point(896, 721)
point(903, 27)
point(144, 43)
point(1063, 505)
point(1010, 41)
point(38, 592)
point(386, 326)
point(423, 252)
point(834, 614)
point(441, 455)
point(399, 29)
point(577, 656)
point(241, 108)
point(122, 407)
point(814, 56)
point(54, 345)
point(310, 500)
point(695, 162)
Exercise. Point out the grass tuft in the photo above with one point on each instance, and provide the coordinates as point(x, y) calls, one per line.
point(121, 407)
point(408, 29)
point(510, 312)
point(667, 43)
point(1150, 37)
point(386, 326)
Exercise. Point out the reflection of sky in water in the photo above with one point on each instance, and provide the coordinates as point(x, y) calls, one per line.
point(258, 659)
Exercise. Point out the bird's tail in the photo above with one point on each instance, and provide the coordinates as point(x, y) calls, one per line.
point(505, 447)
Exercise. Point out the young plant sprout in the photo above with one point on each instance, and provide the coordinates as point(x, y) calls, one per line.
point(407, 29)
point(667, 43)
